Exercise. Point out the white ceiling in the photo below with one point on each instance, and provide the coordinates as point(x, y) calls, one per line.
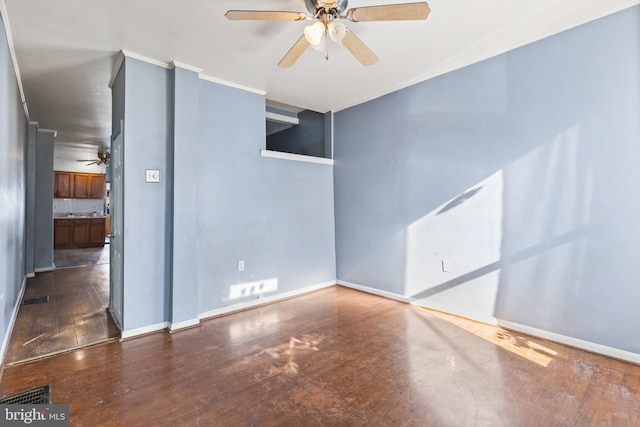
point(67, 49)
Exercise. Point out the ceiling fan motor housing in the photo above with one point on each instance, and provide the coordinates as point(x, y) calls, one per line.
point(328, 6)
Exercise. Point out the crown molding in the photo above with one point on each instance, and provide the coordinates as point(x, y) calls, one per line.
point(232, 84)
point(143, 58)
point(38, 129)
point(173, 64)
point(4, 16)
point(116, 68)
point(54, 132)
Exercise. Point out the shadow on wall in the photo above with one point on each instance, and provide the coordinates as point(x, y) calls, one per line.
point(459, 200)
point(536, 207)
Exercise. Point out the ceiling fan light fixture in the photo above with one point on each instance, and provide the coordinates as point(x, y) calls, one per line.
point(337, 31)
point(313, 33)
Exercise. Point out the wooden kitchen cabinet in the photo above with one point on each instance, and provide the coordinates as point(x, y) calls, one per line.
point(78, 232)
point(75, 185)
point(97, 231)
point(96, 186)
point(81, 186)
point(63, 185)
point(62, 233)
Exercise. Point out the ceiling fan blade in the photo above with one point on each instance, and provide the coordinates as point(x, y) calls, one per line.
point(93, 163)
point(294, 53)
point(359, 49)
point(86, 160)
point(390, 12)
point(264, 15)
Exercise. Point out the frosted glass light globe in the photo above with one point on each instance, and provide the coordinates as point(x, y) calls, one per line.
point(313, 33)
point(337, 31)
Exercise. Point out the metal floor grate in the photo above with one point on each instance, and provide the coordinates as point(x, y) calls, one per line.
point(36, 300)
point(35, 396)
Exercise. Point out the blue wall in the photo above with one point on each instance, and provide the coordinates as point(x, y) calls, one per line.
point(147, 132)
point(521, 171)
point(43, 216)
point(13, 127)
point(275, 215)
point(185, 154)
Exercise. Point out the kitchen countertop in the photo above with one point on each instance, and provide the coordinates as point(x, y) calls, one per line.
point(66, 215)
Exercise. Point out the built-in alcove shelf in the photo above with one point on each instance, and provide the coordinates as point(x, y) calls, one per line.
point(296, 157)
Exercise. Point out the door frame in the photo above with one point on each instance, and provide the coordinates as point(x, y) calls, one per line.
point(116, 266)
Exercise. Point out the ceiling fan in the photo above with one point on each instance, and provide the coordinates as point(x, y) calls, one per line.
point(103, 159)
point(327, 12)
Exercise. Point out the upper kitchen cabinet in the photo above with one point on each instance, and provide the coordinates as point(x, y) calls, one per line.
point(97, 186)
point(63, 185)
point(81, 186)
point(73, 185)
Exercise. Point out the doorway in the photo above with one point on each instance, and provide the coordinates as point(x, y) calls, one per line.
point(64, 309)
point(72, 306)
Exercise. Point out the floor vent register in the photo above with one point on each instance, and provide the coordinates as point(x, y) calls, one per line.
point(34, 396)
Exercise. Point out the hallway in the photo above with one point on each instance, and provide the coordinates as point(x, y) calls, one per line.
point(75, 314)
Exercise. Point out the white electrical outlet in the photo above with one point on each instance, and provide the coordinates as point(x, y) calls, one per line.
point(240, 265)
point(446, 266)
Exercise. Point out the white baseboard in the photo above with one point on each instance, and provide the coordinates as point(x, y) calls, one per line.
point(45, 269)
point(144, 330)
point(12, 321)
point(540, 333)
point(176, 326)
point(573, 342)
point(31, 275)
point(218, 312)
point(261, 301)
point(375, 291)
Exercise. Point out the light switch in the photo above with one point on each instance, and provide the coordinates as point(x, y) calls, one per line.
point(152, 175)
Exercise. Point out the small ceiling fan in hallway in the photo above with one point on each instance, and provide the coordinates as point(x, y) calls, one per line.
point(327, 13)
point(103, 159)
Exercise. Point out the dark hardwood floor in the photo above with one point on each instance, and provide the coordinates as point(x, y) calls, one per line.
point(337, 357)
point(75, 314)
point(63, 258)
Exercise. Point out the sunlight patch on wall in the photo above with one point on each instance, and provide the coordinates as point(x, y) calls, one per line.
point(547, 215)
point(548, 192)
point(259, 287)
point(465, 233)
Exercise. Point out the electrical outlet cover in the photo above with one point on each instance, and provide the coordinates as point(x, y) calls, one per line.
point(152, 175)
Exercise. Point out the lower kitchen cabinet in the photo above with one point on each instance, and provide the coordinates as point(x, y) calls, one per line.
point(97, 231)
point(78, 232)
point(62, 233)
